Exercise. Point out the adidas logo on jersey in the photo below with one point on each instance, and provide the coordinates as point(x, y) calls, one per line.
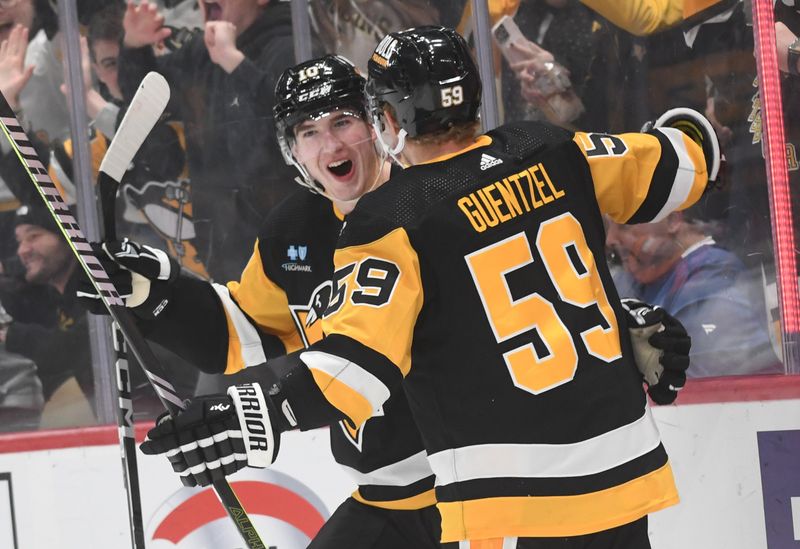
point(489, 161)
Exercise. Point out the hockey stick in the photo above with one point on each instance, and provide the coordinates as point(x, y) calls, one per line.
point(114, 303)
point(143, 113)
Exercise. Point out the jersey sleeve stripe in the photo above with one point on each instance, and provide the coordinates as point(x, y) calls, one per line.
point(401, 473)
point(583, 458)
point(559, 516)
point(662, 180)
point(244, 344)
point(700, 180)
point(685, 175)
point(346, 385)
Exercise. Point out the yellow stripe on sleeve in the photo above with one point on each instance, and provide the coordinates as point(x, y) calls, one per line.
point(349, 401)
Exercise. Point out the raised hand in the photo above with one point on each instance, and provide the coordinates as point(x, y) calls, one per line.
point(144, 25)
point(13, 72)
point(220, 40)
point(142, 275)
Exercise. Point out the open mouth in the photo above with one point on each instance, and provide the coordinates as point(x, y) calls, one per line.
point(341, 168)
point(213, 11)
point(5, 28)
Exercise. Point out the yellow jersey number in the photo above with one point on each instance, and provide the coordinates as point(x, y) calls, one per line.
point(577, 282)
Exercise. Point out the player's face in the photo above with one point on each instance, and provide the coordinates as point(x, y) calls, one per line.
point(43, 253)
point(647, 250)
point(241, 13)
point(338, 151)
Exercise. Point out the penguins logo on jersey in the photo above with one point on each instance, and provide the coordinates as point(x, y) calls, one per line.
point(306, 317)
point(356, 436)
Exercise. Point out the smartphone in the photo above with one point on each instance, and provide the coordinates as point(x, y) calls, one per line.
point(505, 33)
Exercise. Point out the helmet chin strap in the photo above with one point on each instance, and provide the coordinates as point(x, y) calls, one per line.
point(401, 143)
point(386, 148)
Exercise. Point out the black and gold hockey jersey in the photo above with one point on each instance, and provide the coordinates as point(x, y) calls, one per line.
point(283, 291)
point(481, 279)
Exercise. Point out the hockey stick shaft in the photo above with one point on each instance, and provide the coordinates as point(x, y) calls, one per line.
point(127, 439)
point(111, 298)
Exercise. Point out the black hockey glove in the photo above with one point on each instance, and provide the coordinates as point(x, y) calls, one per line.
point(141, 274)
point(660, 347)
point(216, 435)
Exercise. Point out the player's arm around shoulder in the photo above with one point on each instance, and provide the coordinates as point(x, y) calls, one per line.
point(642, 177)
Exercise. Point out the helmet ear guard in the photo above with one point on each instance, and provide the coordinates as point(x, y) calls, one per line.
point(388, 144)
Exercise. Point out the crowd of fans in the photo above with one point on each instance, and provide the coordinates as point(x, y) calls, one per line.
point(211, 170)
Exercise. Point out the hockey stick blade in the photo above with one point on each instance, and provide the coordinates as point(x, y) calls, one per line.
point(143, 113)
point(145, 109)
point(80, 246)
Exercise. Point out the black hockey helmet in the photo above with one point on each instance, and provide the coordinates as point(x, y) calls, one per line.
point(311, 90)
point(428, 77)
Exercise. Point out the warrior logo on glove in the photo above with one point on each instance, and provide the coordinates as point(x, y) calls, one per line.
point(216, 435)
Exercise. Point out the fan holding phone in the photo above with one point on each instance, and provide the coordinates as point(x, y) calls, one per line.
point(544, 83)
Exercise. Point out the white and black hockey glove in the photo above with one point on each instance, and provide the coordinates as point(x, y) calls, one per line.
point(699, 129)
point(141, 274)
point(216, 435)
point(661, 349)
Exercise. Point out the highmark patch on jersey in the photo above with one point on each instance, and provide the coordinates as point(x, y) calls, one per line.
point(297, 255)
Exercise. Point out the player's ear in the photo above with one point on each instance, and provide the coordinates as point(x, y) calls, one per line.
point(391, 121)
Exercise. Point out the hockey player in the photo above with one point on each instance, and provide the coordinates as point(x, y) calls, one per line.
point(522, 382)
point(277, 304)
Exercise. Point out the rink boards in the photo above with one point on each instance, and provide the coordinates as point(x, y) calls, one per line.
point(734, 444)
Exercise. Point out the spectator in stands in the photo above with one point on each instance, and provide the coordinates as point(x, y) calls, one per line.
point(676, 264)
point(49, 326)
point(156, 203)
point(20, 392)
point(557, 56)
point(222, 80)
point(352, 28)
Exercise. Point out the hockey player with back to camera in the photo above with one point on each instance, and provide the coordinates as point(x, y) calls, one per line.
point(352, 373)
